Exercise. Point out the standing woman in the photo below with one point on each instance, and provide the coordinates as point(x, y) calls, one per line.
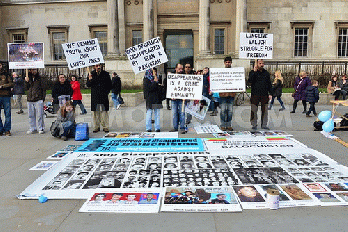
point(301, 83)
point(116, 89)
point(77, 96)
point(18, 90)
point(277, 88)
point(153, 99)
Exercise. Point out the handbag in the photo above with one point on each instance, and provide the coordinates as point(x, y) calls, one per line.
point(55, 128)
point(120, 99)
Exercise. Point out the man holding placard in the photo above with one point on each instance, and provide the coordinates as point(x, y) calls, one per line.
point(100, 83)
point(260, 93)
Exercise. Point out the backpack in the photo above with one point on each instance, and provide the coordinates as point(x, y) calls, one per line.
point(55, 129)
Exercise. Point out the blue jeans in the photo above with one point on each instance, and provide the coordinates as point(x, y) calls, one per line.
point(226, 105)
point(69, 129)
point(279, 99)
point(156, 113)
point(5, 103)
point(82, 107)
point(178, 115)
point(114, 99)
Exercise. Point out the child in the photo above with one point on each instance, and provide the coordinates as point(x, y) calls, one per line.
point(312, 96)
point(277, 90)
point(66, 121)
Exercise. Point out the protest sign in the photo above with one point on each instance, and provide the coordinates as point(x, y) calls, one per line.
point(198, 108)
point(146, 55)
point(25, 55)
point(256, 46)
point(83, 53)
point(184, 86)
point(227, 79)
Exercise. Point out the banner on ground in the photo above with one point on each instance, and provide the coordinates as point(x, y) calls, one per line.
point(227, 79)
point(184, 86)
point(256, 46)
point(25, 55)
point(83, 53)
point(146, 55)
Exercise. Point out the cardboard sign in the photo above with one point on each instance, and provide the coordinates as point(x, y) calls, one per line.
point(146, 55)
point(256, 46)
point(83, 53)
point(25, 55)
point(227, 79)
point(183, 86)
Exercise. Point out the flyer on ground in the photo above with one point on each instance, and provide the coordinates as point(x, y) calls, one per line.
point(142, 201)
point(25, 55)
point(43, 166)
point(200, 199)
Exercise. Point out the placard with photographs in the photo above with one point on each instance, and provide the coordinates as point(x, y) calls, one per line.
point(43, 166)
point(59, 155)
point(142, 201)
point(142, 135)
point(142, 144)
point(250, 197)
point(328, 193)
point(198, 108)
point(200, 199)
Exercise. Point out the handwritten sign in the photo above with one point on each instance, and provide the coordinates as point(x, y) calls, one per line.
point(227, 79)
point(182, 86)
point(146, 55)
point(83, 53)
point(256, 46)
point(26, 55)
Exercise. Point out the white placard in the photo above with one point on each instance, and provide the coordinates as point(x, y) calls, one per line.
point(184, 86)
point(227, 79)
point(25, 55)
point(256, 46)
point(83, 53)
point(146, 55)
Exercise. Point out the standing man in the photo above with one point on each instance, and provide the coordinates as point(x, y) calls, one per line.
point(5, 101)
point(35, 101)
point(260, 93)
point(189, 71)
point(226, 100)
point(100, 83)
point(178, 111)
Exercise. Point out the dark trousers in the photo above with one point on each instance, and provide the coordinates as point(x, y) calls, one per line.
point(255, 100)
point(311, 108)
point(294, 106)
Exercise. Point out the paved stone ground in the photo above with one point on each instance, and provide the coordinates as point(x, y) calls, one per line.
point(21, 151)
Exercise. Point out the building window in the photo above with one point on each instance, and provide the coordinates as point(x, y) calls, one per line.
point(257, 30)
point(301, 42)
point(343, 42)
point(59, 36)
point(17, 35)
point(137, 37)
point(18, 38)
point(258, 27)
point(102, 37)
point(219, 47)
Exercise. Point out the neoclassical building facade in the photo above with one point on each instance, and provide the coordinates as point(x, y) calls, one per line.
point(201, 32)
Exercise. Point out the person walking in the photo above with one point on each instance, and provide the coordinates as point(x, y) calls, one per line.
point(100, 83)
point(153, 92)
point(5, 101)
point(261, 88)
point(35, 100)
point(277, 88)
point(18, 91)
point(77, 96)
point(60, 88)
point(312, 96)
point(116, 90)
point(301, 83)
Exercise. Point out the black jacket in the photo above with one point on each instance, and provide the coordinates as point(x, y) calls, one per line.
point(100, 88)
point(312, 94)
point(61, 89)
point(116, 84)
point(18, 87)
point(153, 93)
point(277, 89)
point(260, 83)
point(36, 88)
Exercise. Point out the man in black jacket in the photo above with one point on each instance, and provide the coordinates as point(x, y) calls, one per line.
point(260, 93)
point(100, 83)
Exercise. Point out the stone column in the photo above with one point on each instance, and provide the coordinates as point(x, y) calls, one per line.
point(241, 22)
point(113, 48)
point(148, 19)
point(204, 27)
point(122, 27)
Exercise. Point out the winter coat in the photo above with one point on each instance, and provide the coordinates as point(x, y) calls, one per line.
point(116, 85)
point(100, 88)
point(300, 88)
point(61, 89)
point(6, 85)
point(76, 96)
point(260, 83)
point(206, 84)
point(18, 88)
point(343, 86)
point(36, 88)
point(312, 94)
point(153, 94)
point(277, 89)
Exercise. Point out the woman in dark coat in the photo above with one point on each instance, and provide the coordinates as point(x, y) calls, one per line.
point(153, 93)
point(277, 88)
point(61, 87)
point(301, 83)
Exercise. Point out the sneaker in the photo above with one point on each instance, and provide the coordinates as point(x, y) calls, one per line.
point(174, 130)
point(64, 138)
point(158, 130)
point(303, 112)
point(281, 109)
point(96, 130)
point(41, 132)
point(292, 112)
point(265, 127)
point(223, 128)
point(308, 116)
point(168, 108)
point(149, 130)
point(229, 128)
point(31, 132)
point(20, 112)
point(184, 132)
point(106, 130)
point(84, 112)
point(254, 128)
point(8, 133)
point(118, 106)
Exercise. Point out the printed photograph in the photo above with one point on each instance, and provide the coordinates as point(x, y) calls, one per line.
point(248, 194)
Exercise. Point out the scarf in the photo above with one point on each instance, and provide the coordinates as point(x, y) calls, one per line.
point(149, 75)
